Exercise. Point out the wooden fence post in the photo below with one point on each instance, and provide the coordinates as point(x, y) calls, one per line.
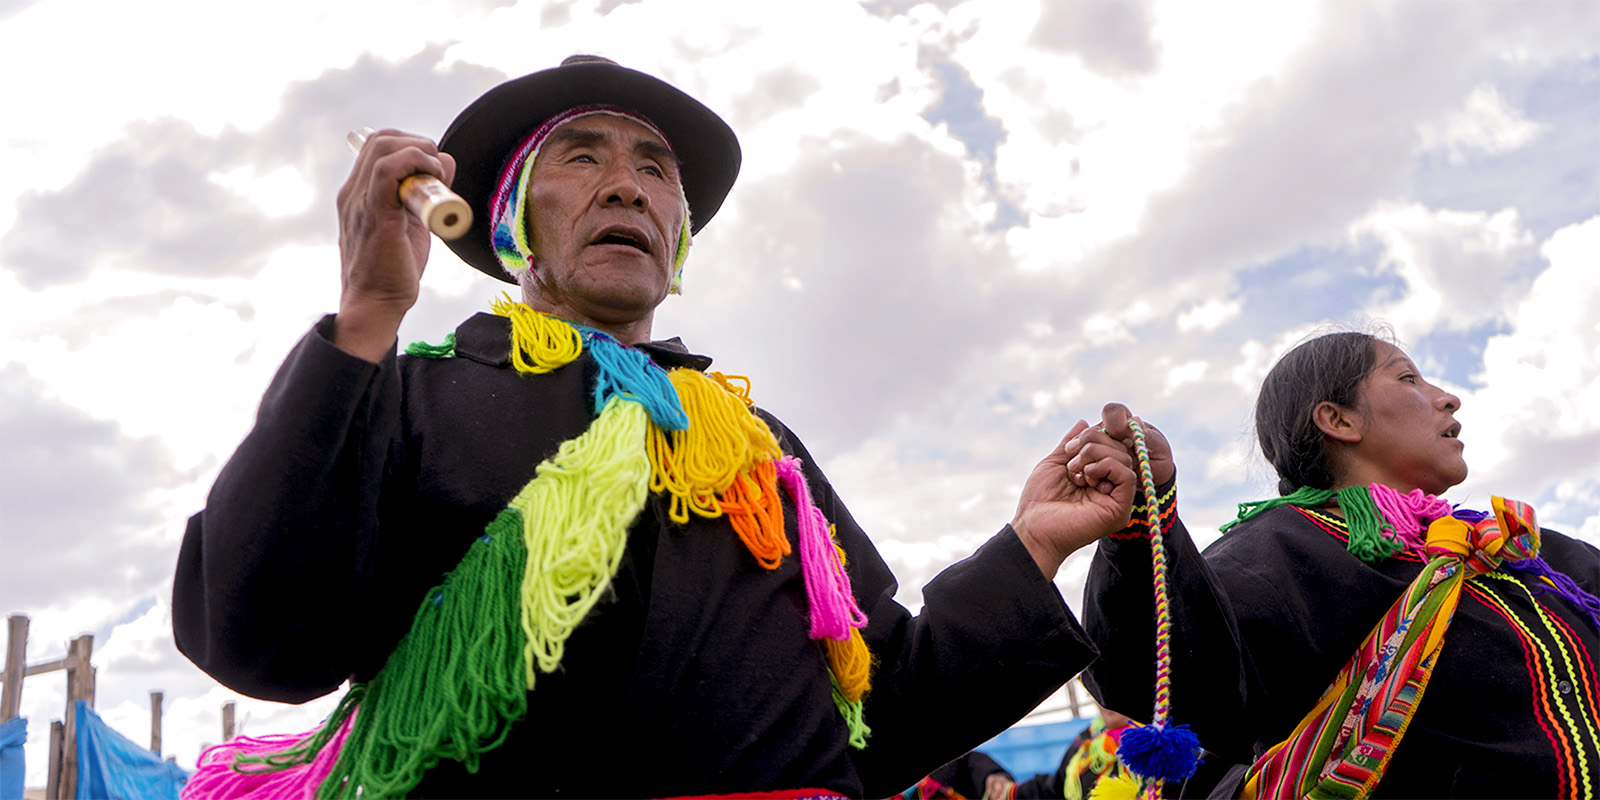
point(227, 721)
point(52, 786)
point(156, 696)
point(16, 665)
point(80, 686)
point(1072, 696)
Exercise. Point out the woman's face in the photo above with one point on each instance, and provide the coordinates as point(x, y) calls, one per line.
point(1405, 435)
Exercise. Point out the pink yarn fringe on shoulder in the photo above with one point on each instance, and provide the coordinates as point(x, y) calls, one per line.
point(1409, 513)
point(217, 778)
point(833, 605)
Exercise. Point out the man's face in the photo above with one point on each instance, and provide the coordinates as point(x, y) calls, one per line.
point(605, 212)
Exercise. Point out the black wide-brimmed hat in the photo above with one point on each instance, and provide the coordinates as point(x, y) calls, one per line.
point(483, 135)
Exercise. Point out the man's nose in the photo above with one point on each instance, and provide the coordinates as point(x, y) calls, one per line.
point(622, 187)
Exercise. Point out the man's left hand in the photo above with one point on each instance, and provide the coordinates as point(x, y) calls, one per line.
point(1084, 489)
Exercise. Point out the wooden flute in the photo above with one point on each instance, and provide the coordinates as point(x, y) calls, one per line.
point(426, 197)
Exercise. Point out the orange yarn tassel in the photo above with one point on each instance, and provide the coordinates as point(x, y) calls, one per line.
point(756, 511)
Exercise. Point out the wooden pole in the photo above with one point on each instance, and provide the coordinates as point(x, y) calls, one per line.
point(16, 665)
point(227, 721)
point(52, 786)
point(80, 686)
point(155, 720)
point(1072, 696)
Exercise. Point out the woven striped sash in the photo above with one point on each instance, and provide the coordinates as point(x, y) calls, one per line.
point(1340, 749)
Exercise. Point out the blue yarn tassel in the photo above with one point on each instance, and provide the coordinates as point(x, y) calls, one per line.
point(1170, 753)
point(630, 373)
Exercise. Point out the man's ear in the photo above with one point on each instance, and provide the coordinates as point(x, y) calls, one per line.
point(1337, 422)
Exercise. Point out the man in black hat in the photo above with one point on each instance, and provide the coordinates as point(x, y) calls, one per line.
point(503, 542)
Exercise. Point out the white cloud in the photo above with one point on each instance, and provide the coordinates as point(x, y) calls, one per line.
point(1487, 125)
point(1210, 315)
point(1460, 269)
point(1115, 326)
point(1557, 334)
point(1536, 421)
point(1181, 375)
point(279, 193)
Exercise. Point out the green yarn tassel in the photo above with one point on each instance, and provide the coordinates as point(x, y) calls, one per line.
point(1366, 524)
point(453, 685)
point(1302, 497)
point(854, 717)
point(306, 751)
point(1361, 515)
point(444, 349)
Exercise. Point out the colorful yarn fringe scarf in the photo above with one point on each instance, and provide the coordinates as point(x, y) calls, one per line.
point(1382, 522)
point(456, 683)
point(508, 234)
point(1341, 748)
point(1158, 752)
point(1095, 759)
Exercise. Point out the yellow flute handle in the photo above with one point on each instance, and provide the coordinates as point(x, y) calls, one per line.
point(426, 197)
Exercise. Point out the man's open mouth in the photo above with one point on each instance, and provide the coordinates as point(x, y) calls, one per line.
point(624, 237)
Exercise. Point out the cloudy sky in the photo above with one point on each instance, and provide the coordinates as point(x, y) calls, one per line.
point(960, 227)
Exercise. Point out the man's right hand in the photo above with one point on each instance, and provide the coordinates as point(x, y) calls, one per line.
point(382, 247)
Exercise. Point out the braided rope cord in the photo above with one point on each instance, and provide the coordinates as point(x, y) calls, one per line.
point(1160, 751)
point(1158, 577)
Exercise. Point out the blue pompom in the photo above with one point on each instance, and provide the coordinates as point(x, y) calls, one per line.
point(1170, 753)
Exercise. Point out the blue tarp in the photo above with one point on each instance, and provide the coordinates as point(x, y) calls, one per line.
point(13, 732)
point(111, 767)
point(1027, 750)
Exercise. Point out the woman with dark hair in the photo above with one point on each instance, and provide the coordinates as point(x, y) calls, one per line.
point(1360, 636)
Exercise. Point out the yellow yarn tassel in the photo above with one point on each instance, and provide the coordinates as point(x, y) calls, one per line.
point(851, 663)
point(1120, 785)
point(736, 385)
point(540, 343)
point(694, 466)
point(576, 514)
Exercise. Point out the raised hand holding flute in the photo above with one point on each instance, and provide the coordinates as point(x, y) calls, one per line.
point(383, 247)
point(443, 211)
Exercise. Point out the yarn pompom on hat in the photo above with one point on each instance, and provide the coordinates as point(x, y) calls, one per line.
point(490, 130)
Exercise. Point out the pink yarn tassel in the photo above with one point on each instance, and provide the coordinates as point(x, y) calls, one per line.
point(1409, 513)
point(216, 776)
point(833, 606)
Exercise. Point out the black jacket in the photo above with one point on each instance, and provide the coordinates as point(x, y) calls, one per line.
point(362, 484)
point(1264, 621)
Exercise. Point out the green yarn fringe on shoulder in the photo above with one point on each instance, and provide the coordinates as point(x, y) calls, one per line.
point(444, 349)
point(854, 717)
point(306, 751)
point(454, 685)
point(1366, 524)
point(1303, 497)
point(1361, 515)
